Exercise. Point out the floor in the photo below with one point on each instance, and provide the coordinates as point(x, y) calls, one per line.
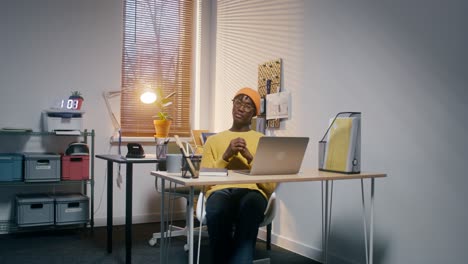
point(80, 245)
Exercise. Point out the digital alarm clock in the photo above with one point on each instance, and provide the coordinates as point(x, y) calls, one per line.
point(69, 104)
point(66, 104)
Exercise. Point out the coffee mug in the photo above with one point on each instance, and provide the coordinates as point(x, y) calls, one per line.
point(173, 163)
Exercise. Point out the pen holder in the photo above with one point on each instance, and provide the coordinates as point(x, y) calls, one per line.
point(161, 155)
point(161, 151)
point(196, 160)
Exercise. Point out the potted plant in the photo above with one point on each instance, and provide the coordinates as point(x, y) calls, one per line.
point(76, 95)
point(162, 121)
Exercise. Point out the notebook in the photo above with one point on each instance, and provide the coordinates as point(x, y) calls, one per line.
point(278, 155)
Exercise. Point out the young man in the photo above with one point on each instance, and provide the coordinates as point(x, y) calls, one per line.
point(240, 207)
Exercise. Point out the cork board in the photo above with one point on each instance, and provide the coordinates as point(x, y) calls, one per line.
point(269, 81)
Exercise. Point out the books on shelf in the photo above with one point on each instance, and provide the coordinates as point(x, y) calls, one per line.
point(213, 172)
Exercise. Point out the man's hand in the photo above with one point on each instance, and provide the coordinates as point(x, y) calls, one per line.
point(237, 145)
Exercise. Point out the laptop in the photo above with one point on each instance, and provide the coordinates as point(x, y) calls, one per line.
point(278, 155)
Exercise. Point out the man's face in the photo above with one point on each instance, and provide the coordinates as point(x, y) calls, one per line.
point(243, 109)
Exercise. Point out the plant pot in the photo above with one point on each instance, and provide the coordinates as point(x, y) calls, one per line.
point(162, 128)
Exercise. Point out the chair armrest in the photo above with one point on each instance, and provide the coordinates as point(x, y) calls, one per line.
point(270, 210)
point(201, 216)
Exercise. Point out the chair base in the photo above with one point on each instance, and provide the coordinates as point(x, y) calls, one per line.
point(176, 231)
point(262, 261)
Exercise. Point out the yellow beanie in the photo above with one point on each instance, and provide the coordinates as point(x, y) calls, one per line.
point(254, 96)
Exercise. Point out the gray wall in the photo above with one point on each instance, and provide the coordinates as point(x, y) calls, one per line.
point(403, 64)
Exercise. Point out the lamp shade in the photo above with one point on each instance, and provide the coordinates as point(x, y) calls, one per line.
point(148, 97)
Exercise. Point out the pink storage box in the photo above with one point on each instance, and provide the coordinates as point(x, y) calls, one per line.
point(75, 167)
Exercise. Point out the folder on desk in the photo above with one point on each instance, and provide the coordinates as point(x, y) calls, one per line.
point(340, 148)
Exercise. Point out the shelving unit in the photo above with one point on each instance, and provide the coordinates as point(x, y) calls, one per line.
point(9, 226)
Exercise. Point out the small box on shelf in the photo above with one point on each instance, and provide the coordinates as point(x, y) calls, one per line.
point(41, 167)
point(11, 167)
point(75, 167)
point(34, 210)
point(71, 209)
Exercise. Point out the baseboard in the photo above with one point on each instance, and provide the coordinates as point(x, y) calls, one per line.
point(301, 248)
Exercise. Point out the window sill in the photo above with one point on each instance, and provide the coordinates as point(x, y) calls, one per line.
point(149, 140)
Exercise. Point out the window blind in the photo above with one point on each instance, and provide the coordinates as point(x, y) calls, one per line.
point(157, 53)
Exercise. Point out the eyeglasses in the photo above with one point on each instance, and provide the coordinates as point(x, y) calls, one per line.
point(247, 107)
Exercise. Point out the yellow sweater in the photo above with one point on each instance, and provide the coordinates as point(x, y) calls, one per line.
point(214, 149)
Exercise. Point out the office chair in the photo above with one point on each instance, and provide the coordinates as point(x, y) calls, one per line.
point(197, 140)
point(269, 214)
point(173, 230)
point(175, 193)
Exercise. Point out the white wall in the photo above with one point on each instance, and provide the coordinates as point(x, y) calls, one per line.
point(404, 65)
point(50, 48)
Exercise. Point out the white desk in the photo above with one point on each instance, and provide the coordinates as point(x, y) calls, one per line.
point(306, 175)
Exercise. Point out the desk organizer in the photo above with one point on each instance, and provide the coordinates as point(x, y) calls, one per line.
point(340, 147)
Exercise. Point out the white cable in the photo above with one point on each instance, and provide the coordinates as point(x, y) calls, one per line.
point(102, 193)
point(104, 185)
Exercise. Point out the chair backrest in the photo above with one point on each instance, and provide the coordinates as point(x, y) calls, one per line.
point(270, 210)
point(196, 136)
point(197, 140)
point(172, 148)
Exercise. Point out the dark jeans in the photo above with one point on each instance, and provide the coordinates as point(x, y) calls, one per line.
point(239, 210)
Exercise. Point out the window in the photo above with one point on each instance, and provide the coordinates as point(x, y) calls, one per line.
point(157, 53)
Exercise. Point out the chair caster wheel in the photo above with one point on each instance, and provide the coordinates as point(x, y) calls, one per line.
point(153, 241)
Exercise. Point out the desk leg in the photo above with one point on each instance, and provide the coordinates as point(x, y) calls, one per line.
point(110, 173)
point(371, 235)
point(323, 218)
point(190, 209)
point(370, 247)
point(128, 214)
point(364, 224)
point(163, 226)
point(327, 201)
point(325, 240)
